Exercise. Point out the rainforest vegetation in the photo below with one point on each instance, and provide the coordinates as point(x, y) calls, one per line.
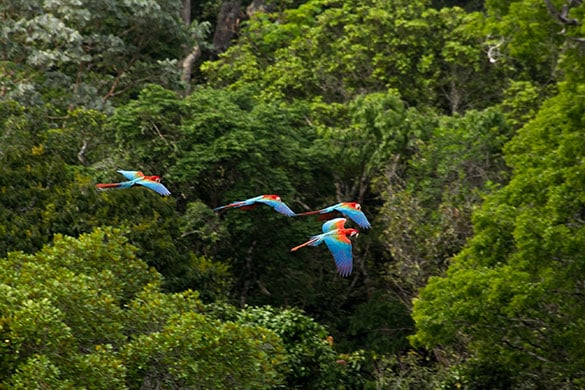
point(459, 126)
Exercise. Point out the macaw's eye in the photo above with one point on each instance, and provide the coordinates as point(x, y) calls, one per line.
point(354, 234)
point(358, 206)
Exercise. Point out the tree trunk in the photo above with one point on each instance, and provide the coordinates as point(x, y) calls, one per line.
point(227, 25)
point(188, 67)
point(186, 12)
point(189, 60)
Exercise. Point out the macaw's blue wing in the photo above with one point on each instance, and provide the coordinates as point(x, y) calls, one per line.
point(131, 175)
point(355, 215)
point(340, 247)
point(278, 206)
point(333, 224)
point(153, 185)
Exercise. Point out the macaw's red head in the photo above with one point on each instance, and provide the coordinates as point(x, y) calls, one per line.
point(154, 178)
point(272, 197)
point(354, 205)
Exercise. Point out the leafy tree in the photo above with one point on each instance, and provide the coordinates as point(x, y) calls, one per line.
point(525, 38)
point(88, 312)
point(196, 352)
point(512, 297)
point(428, 210)
point(428, 56)
point(309, 356)
point(83, 53)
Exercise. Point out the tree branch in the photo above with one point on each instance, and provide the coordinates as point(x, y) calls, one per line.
point(562, 16)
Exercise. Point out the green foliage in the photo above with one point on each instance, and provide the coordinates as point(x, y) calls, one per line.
point(529, 38)
point(145, 130)
point(196, 352)
point(404, 106)
point(428, 208)
point(38, 372)
point(94, 316)
point(509, 295)
point(310, 359)
point(84, 54)
point(337, 50)
point(382, 323)
point(411, 370)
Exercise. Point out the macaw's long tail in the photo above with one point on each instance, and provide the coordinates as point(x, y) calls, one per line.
point(314, 241)
point(104, 186)
point(237, 205)
point(309, 213)
point(300, 246)
point(321, 216)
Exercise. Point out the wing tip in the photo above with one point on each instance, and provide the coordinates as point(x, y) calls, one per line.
point(345, 273)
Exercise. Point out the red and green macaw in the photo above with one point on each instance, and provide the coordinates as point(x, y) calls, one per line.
point(351, 210)
point(335, 235)
point(137, 177)
point(273, 201)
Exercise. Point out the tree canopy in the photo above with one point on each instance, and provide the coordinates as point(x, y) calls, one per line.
point(457, 125)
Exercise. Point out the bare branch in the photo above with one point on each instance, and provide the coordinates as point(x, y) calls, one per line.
point(562, 16)
point(81, 154)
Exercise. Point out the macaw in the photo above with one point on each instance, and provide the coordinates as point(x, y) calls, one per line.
point(335, 235)
point(352, 210)
point(273, 201)
point(137, 177)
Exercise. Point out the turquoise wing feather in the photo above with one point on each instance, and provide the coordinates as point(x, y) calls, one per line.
point(350, 210)
point(340, 247)
point(131, 175)
point(153, 185)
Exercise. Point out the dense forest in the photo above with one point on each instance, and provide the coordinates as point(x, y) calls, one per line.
point(459, 126)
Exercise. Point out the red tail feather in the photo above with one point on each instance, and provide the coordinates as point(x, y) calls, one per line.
point(309, 213)
point(304, 244)
point(108, 185)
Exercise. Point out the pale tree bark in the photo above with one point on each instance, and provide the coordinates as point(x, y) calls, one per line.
point(186, 12)
point(187, 65)
point(194, 54)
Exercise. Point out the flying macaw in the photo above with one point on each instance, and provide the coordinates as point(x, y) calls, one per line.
point(351, 210)
point(137, 177)
point(273, 201)
point(335, 235)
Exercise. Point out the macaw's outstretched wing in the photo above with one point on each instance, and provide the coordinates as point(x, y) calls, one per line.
point(353, 211)
point(277, 204)
point(155, 186)
point(131, 175)
point(340, 247)
point(333, 224)
point(273, 201)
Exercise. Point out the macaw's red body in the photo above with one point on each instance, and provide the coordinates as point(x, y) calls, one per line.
point(351, 210)
point(137, 178)
point(273, 201)
point(335, 235)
